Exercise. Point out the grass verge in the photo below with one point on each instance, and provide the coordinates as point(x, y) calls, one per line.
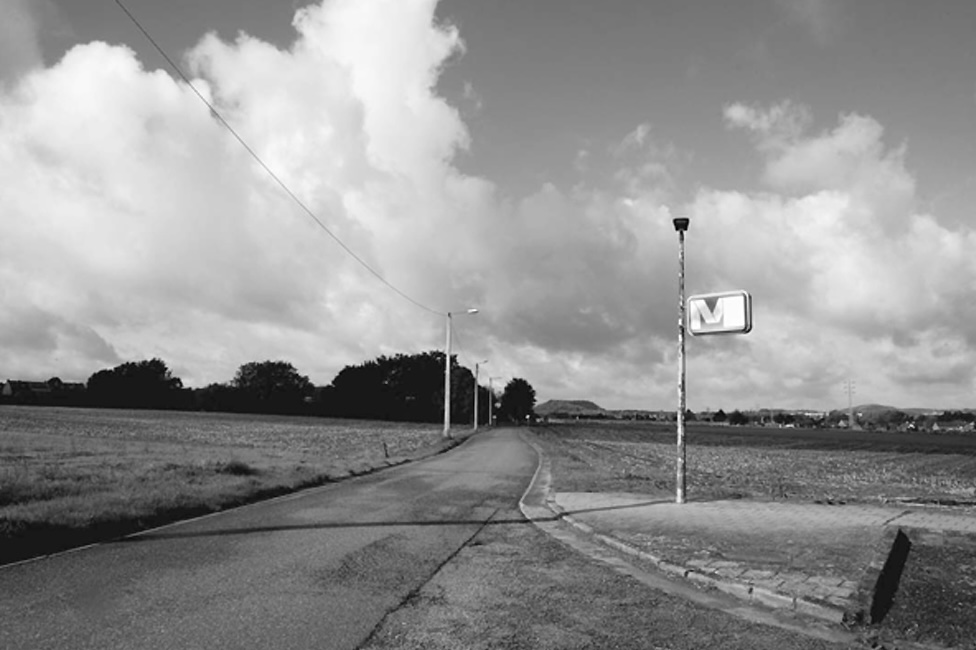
point(69, 477)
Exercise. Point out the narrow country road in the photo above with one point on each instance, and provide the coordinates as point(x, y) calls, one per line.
point(316, 569)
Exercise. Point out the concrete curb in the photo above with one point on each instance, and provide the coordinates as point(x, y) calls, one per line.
point(746, 591)
point(538, 502)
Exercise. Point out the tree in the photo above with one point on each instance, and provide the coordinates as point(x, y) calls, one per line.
point(738, 418)
point(401, 387)
point(720, 416)
point(518, 401)
point(139, 384)
point(272, 387)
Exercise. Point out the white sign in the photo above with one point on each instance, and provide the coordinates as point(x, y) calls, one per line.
point(729, 312)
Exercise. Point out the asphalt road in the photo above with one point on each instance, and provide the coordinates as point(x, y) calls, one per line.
point(321, 568)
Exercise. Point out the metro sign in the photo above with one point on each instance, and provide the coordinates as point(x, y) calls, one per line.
point(729, 312)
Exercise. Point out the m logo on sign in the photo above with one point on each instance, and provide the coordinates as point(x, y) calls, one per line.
point(720, 313)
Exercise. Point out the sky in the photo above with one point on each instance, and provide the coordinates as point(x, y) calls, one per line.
point(523, 158)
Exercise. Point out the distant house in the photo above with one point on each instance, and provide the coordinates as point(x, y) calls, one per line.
point(52, 391)
point(952, 425)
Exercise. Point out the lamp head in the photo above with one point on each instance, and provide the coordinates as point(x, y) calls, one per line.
point(681, 223)
point(472, 311)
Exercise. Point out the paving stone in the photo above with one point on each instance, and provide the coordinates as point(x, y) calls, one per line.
point(773, 599)
point(827, 581)
point(724, 564)
point(698, 529)
point(731, 573)
point(735, 589)
point(826, 613)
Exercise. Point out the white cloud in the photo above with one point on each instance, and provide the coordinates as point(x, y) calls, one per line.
point(846, 275)
point(135, 226)
point(821, 17)
point(20, 50)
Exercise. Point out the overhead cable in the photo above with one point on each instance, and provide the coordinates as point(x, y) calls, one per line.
point(257, 158)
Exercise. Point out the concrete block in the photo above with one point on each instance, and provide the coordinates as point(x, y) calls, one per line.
point(730, 573)
point(824, 613)
point(700, 578)
point(773, 599)
point(736, 589)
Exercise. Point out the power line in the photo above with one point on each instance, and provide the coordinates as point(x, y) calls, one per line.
point(257, 158)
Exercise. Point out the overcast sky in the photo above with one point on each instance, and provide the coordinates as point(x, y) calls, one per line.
point(522, 157)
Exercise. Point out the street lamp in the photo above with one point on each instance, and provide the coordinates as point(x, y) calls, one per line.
point(476, 391)
point(680, 226)
point(447, 372)
point(491, 401)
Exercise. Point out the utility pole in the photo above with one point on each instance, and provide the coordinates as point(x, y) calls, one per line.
point(681, 225)
point(850, 386)
point(447, 372)
point(491, 401)
point(447, 380)
point(476, 391)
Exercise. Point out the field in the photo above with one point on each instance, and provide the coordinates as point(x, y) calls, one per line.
point(764, 463)
point(71, 476)
point(937, 590)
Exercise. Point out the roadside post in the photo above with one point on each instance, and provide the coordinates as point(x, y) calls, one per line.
point(476, 391)
point(729, 312)
point(491, 401)
point(447, 370)
point(681, 226)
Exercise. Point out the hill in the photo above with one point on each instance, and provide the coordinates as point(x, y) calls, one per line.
point(570, 408)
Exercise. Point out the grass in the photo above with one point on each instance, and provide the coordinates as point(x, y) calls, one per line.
point(937, 593)
point(725, 462)
point(72, 476)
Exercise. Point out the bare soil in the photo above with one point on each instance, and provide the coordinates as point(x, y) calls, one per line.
point(757, 463)
point(936, 597)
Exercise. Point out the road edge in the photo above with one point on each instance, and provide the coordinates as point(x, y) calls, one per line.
point(538, 505)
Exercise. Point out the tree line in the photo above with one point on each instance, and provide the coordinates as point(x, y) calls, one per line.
point(401, 387)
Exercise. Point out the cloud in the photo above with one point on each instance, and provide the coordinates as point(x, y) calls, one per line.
point(633, 140)
point(846, 274)
point(20, 50)
point(128, 210)
point(135, 226)
point(821, 17)
point(133, 216)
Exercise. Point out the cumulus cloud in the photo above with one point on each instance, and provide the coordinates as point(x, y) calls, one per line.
point(20, 50)
point(135, 226)
point(847, 275)
point(140, 228)
point(127, 209)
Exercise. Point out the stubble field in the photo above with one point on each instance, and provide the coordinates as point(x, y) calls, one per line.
point(763, 463)
point(71, 476)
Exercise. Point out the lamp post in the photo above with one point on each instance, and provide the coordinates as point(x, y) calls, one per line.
point(447, 373)
point(491, 401)
point(476, 391)
point(680, 226)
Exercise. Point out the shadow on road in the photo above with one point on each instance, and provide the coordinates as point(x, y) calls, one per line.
point(251, 530)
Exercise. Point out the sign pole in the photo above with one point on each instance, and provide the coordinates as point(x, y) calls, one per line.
point(681, 225)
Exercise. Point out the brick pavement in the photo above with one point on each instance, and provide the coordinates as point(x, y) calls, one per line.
point(802, 556)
